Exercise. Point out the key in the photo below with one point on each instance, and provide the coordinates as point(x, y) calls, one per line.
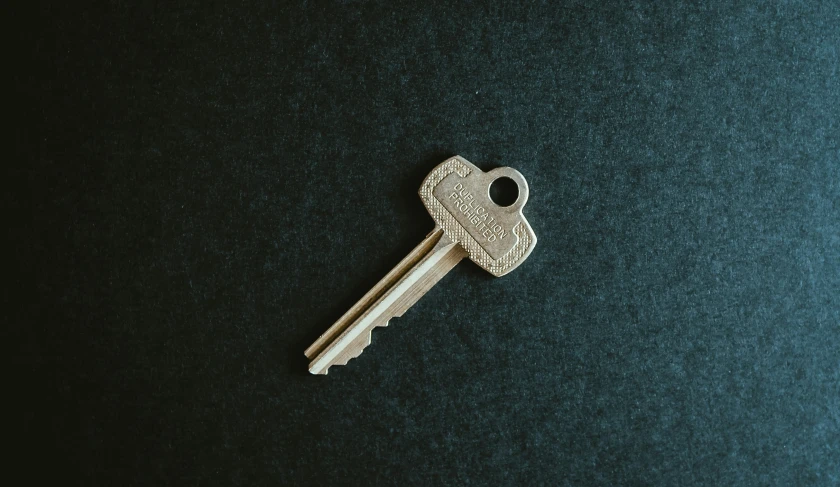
point(467, 224)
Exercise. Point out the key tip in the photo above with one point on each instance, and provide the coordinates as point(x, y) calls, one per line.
point(314, 371)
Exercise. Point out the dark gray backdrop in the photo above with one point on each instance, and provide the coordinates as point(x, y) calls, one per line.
point(207, 186)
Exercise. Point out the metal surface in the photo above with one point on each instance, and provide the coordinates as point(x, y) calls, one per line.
point(468, 224)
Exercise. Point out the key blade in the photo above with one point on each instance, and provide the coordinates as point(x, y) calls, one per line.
point(391, 297)
point(400, 270)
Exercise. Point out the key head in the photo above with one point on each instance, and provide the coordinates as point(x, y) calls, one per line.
point(457, 195)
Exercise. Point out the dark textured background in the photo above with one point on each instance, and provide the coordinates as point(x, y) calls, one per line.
point(205, 187)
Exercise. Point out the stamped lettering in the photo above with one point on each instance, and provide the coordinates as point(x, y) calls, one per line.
point(477, 215)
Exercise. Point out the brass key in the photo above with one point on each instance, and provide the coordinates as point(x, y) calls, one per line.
point(467, 224)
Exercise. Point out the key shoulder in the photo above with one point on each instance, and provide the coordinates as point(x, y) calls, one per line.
point(456, 194)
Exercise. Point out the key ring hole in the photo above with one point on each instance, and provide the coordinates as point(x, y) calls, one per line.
point(504, 191)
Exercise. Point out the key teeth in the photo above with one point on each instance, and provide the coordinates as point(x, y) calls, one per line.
point(359, 346)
